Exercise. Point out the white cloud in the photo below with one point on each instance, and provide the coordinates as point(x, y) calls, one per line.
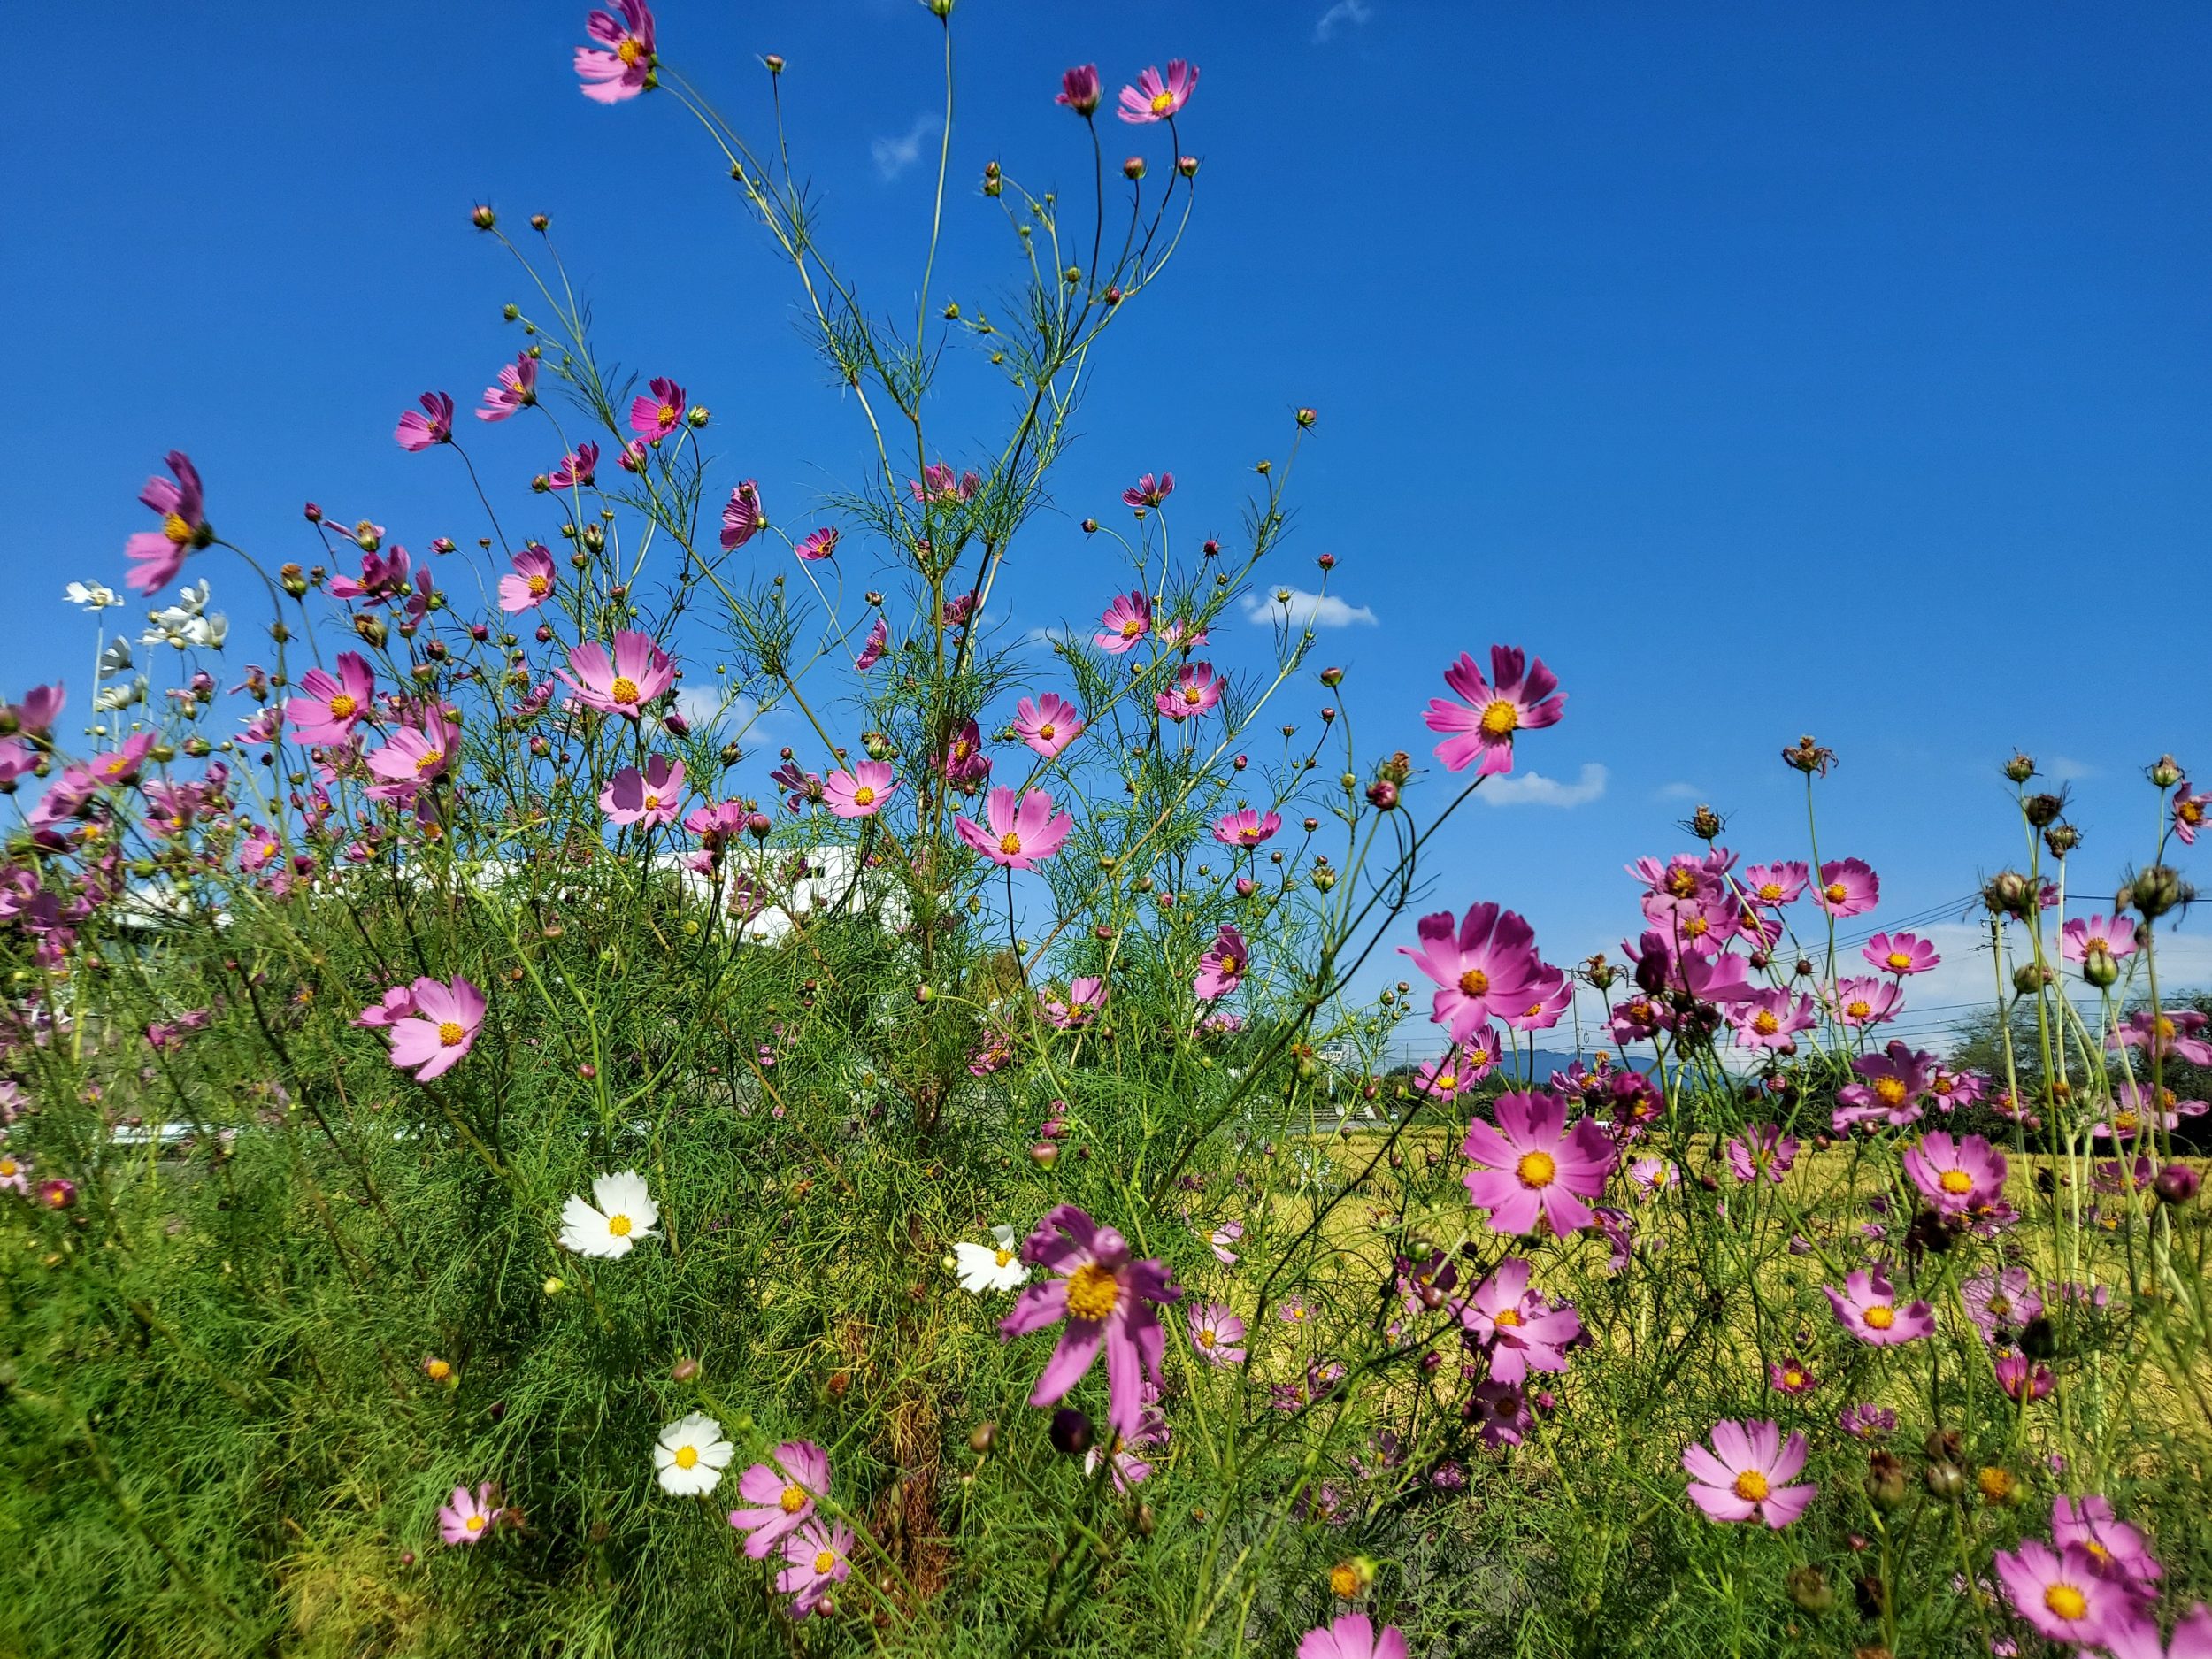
point(1301, 609)
point(1049, 636)
point(1677, 792)
point(1532, 788)
point(894, 156)
point(1353, 11)
point(2065, 771)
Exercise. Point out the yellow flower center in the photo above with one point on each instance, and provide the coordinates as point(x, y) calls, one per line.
point(1536, 1169)
point(1764, 1022)
point(652, 804)
point(438, 1371)
point(1193, 696)
point(1163, 102)
point(7, 1168)
point(1131, 628)
point(1898, 961)
point(1474, 982)
point(1447, 1081)
point(1836, 892)
point(1045, 731)
point(1771, 892)
point(539, 587)
point(1751, 1486)
point(1092, 1292)
point(1507, 1316)
point(2189, 812)
point(175, 528)
point(429, 761)
point(1956, 1181)
point(451, 1031)
point(1881, 1316)
point(824, 1560)
point(1890, 1091)
point(2098, 1550)
point(341, 706)
point(666, 415)
point(619, 1226)
point(1004, 1256)
point(1010, 844)
point(629, 52)
point(792, 1501)
point(1793, 1379)
point(686, 1456)
point(1206, 1337)
point(2165, 1027)
point(475, 1524)
point(1859, 1008)
point(2066, 1602)
point(1499, 718)
point(863, 796)
point(1680, 882)
point(2000, 1307)
point(2124, 1122)
point(624, 689)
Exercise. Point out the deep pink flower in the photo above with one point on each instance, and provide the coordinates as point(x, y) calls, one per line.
point(2059, 1592)
point(1893, 1081)
point(1956, 1176)
point(821, 544)
point(2021, 1381)
point(1950, 1090)
point(581, 465)
point(654, 417)
point(1216, 1332)
point(1533, 1164)
point(1352, 1636)
point(652, 798)
point(742, 516)
point(639, 673)
point(861, 792)
point(940, 487)
point(469, 1519)
point(818, 1559)
point(1867, 1306)
point(965, 764)
point(1520, 1329)
point(515, 389)
point(872, 650)
point(1790, 1377)
point(1484, 967)
point(1148, 491)
point(621, 66)
point(184, 527)
point(2189, 812)
point(1101, 1298)
point(328, 710)
point(1521, 699)
point(1847, 887)
point(1774, 885)
point(1197, 690)
point(2096, 940)
point(1460, 1067)
point(1049, 724)
point(1022, 831)
point(416, 431)
point(382, 575)
point(1866, 1000)
point(2122, 1553)
point(1080, 90)
point(1745, 1474)
point(413, 757)
point(1221, 969)
point(1764, 1152)
point(779, 1495)
point(1246, 827)
point(1127, 621)
point(55, 1193)
point(1154, 98)
point(1901, 953)
point(438, 1035)
point(1771, 1020)
point(531, 583)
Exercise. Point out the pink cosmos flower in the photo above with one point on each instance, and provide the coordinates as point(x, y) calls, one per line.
point(1085, 1000)
point(1901, 953)
point(581, 465)
point(2001, 1303)
point(1127, 621)
point(438, 1035)
point(2133, 1634)
point(1951, 1090)
point(1484, 967)
point(654, 417)
point(1221, 969)
point(1156, 99)
point(861, 792)
point(640, 672)
point(1217, 1333)
point(416, 431)
point(1049, 724)
point(1762, 1152)
point(1866, 1422)
point(1533, 1163)
point(1246, 827)
point(1771, 1020)
point(2122, 1553)
point(1745, 1474)
point(621, 66)
point(2189, 812)
point(2096, 940)
point(1867, 1306)
point(1890, 1094)
point(2021, 1381)
point(413, 757)
point(1956, 1176)
point(184, 527)
point(398, 1003)
point(872, 650)
point(940, 487)
point(1521, 1331)
point(1460, 1067)
point(1847, 887)
point(467, 1520)
point(965, 764)
point(531, 583)
point(742, 516)
point(1021, 834)
point(1520, 699)
point(1080, 90)
point(821, 544)
point(651, 798)
point(818, 1558)
point(15, 1175)
point(1352, 1636)
point(1223, 1240)
point(1197, 690)
point(1866, 1000)
point(1101, 1298)
point(2059, 1592)
point(1774, 885)
point(779, 1495)
point(1148, 491)
point(517, 389)
point(1790, 1377)
point(328, 710)
point(41, 706)
point(2171, 1034)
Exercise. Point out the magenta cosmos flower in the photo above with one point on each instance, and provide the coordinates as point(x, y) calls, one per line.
point(1867, 1001)
point(1085, 1000)
point(621, 66)
point(1521, 1331)
point(1021, 835)
point(433, 424)
point(580, 466)
point(531, 582)
point(1049, 724)
point(1127, 620)
point(515, 389)
point(2096, 940)
point(1867, 1306)
point(1352, 1637)
point(1901, 953)
point(872, 649)
point(1764, 1152)
point(2173, 1033)
point(1956, 1177)
point(2060, 1593)
point(328, 710)
point(742, 516)
point(1519, 695)
point(1149, 491)
point(159, 554)
point(818, 1559)
point(2021, 1380)
point(1745, 1474)
point(1102, 1298)
point(1460, 1067)
point(2122, 1553)
point(41, 707)
point(821, 544)
point(1533, 1163)
point(1774, 885)
point(468, 1518)
point(1484, 967)
point(2133, 1634)
point(413, 757)
point(1847, 887)
point(1771, 1020)
point(1196, 690)
point(1246, 827)
point(1217, 1333)
point(861, 792)
point(653, 418)
point(1222, 969)
point(779, 1495)
point(438, 1035)
point(639, 673)
point(1889, 1092)
point(1080, 90)
point(652, 797)
point(1156, 98)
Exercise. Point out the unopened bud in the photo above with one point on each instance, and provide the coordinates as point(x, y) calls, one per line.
point(2177, 1184)
point(2165, 771)
point(684, 1370)
point(1133, 169)
point(482, 217)
point(2019, 769)
point(1808, 1587)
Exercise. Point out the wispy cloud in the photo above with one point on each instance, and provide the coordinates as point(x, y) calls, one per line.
point(1677, 792)
point(1352, 12)
point(1055, 635)
point(1532, 788)
point(1302, 609)
point(2066, 770)
point(894, 156)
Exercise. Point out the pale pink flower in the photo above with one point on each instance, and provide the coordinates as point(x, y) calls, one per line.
point(432, 425)
point(1156, 97)
point(639, 673)
point(1460, 1067)
point(2122, 1555)
point(1956, 1176)
point(438, 1035)
point(515, 389)
point(1901, 953)
point(1866, 1000)
point(530, 584)
point(2096, 940)
point(160, 554)
point(1762, 1152)
point(413, 757)
point(2189, 811)
point(1197, 690)
point(779, 1495)
point(1049, 724)
point(468, 1518)
point(1023, 831)
point(1352, 1636)
point(818, 1559)
point(1744, 1476)
point(621, 66)
point(1867, 1306)
point(861, 792)
point(653, 797)
point(1246, 827)
point(328, 710)
point(1519, 1330)
point(41, 706)
point(2060, 1593)
point(2132, 1633)
point(1217, 1333)
point(1518, 696)
point(1127, 621)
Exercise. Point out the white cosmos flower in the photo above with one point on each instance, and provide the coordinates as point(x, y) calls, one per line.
point(109, 698)
point(91, 596)
point(193, 600)
point(626, 1213)
point(208, 631)
point(691, 1453)
point(117, 658)
point(995, 1266)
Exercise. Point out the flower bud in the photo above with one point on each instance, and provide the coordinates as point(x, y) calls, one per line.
point(2156, 890)
point(1808, 1587)
point(1306, 417)
point(2165, 771)
point(2177, 1184)
point(293, 579)
point(1943, 1480)
point(2019, 769)
point(482, 217)
point(2041, 810)
point(1884, 1481)
point(1072, 1431)
point(1187, 165)
point(1133, 169)
point(1705, 823)
point(1382, 795)
point(684, 1371)
point(370, 628)
point(696, 416)
point(2028, 979)
point(2062, 837)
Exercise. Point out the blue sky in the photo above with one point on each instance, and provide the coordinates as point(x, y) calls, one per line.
point(1766, 372)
